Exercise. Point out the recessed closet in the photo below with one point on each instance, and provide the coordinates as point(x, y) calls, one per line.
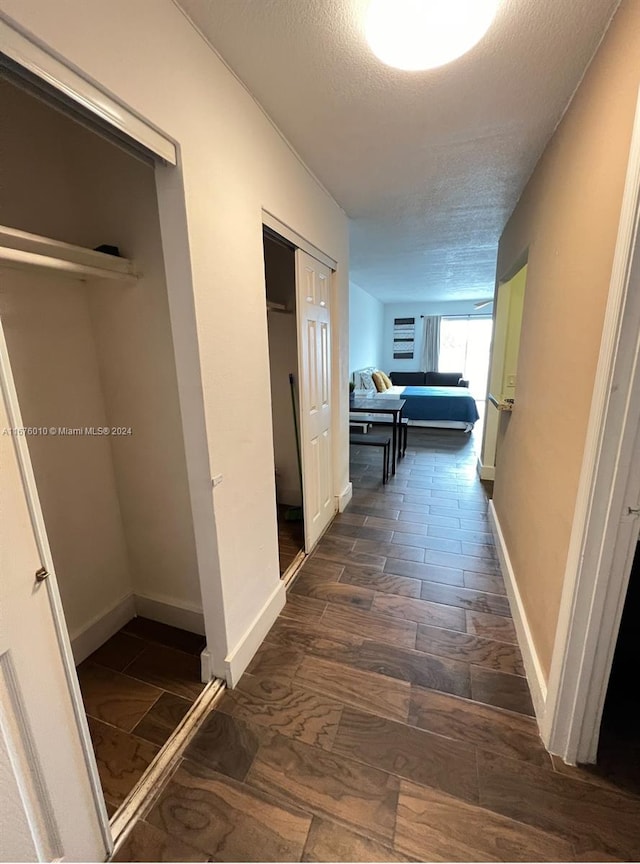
point(90, 347)
point(280, 279)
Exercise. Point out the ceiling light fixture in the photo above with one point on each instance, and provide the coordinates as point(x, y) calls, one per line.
point(423, 34)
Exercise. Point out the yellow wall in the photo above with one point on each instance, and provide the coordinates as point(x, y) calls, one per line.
point(568, 218)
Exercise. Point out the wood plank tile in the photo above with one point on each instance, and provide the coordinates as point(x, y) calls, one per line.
point(316, 640)
point(164, 634)
point(415, 667)
point(437, 827)
point(422, 541)
point(465, 562)
point(389, 550)
point(378, 535)
point(275, 659)
point(117, 652)
point(321, 568)
point(225, 744)
point(492, 584)
point(122, 759)
point(465, 647)
point(284, 707)
point(480, 550)
point(463, 534)
point(420, 611)
point(170, 669)
point(328, 841)
point(333, 592)
point(377, 580)
point(371, 625)
point(115, 698)
point(349, 518)
point(494, 729)
point(303, 608)
point(327, 549)
point(161, 721)
point(408, 752)
point(425, 572)
point(381, 510)
point(466, 598)
point(430, 519)
point(228, 820)
point(415, 526)
point(330, 785)
point(491, 626)
point(593, 819)
point(500, 689)
point(147, 843)
point(362, 689)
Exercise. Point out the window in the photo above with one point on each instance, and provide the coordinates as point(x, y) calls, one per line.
point(465, 345)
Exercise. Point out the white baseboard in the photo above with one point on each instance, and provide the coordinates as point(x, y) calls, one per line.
point(532, 666)
point(102, 627)
point(170, 611)
point(344, 497)
point(486, 472)
point(239, 658)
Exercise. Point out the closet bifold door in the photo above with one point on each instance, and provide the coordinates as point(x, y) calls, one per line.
point(313, 289)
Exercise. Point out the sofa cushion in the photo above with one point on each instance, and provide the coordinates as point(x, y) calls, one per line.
point(408, 379)
point(442, 379)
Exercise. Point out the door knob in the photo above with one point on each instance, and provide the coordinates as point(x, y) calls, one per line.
point(42, 574)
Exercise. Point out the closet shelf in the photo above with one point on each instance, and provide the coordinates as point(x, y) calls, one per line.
point(23, 250)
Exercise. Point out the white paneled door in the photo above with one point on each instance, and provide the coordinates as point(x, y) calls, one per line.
point(50, 802)
point(313, 288)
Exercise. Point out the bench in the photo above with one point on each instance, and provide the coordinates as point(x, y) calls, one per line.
point(370, 440)
point(404, 428)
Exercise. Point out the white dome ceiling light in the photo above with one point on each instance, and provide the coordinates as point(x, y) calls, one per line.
point(423, 34)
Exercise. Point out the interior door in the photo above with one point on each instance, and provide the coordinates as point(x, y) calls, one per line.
point(52, 806)
point(313, 290)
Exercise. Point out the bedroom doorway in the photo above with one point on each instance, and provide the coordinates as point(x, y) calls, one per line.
point(280, 284)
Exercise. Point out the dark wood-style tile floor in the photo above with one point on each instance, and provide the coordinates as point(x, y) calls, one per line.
point(386, 716)
point(136, 689)
point(290, 538)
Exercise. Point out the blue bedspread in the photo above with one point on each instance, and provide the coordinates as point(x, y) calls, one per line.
point(439, 403)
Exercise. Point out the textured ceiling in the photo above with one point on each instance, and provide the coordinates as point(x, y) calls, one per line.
point(428, 165)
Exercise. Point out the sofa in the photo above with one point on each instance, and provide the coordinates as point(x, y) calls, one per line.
point(428, 379)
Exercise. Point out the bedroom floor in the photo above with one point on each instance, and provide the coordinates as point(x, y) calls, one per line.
point(386, 716)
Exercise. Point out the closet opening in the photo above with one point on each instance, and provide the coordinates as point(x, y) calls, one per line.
point(90, 351)
point(280, 281)
point(619, 744)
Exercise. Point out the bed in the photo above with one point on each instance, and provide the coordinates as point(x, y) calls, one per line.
point(441, 407)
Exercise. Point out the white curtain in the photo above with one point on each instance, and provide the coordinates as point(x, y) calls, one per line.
point(431, 343)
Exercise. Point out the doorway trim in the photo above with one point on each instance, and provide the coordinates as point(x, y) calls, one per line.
point(604, 533)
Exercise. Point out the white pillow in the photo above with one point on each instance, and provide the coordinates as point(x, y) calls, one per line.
point(366, 381)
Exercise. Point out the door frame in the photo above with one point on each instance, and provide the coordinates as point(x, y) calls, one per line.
point(604, 534)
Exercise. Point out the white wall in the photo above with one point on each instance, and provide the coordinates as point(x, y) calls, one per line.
point(233, 164)
point(366, 325)
point(47, 324)
point(415, 310)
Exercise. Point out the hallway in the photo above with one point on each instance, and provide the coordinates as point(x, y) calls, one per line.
point(386, 716)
